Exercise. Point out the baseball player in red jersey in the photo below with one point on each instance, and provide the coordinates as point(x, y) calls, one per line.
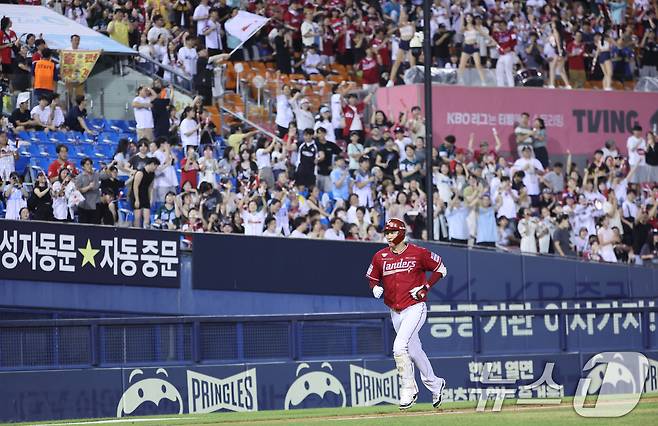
point(506, 41)
point(399, 273)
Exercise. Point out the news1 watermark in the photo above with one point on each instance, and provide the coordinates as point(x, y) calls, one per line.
point(616, 379)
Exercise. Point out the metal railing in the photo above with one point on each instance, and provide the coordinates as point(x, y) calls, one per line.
point(150, 66)
point(111, 342)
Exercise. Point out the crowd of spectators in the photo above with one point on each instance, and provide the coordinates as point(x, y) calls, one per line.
point(341, 171)
point(309, 184)
point(572, 40)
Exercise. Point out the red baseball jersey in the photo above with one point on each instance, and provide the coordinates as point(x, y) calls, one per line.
point(506, 40)
point(398, 273)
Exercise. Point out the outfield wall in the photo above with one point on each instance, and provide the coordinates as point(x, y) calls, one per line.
point(49, 395)
point(231, 274)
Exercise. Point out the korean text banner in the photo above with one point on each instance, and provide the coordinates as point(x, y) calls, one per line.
point(57, 29)
point(39, 251)
point(576, 120)
point(76, 65)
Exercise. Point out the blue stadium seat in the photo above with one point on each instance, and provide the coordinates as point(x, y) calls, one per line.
point(130, 136)
point(97, 124)
point(57, 137)
point(24, 151)
point(87, 139)
point(125, 210)
point(119, 126)
point(73, 137)
point(22, 163)
point(40, 137)
point(85, 150)
point(26, 136)
point(47, 150)
point(108, 137)
point(104, 151)
point(34, 150)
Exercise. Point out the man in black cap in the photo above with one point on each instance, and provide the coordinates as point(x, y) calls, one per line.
point(105, 209)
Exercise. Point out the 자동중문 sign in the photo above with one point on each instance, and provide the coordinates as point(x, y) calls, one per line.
point(39, 251)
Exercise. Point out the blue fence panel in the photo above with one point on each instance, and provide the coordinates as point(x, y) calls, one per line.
point(493, 276)
point(546, 278)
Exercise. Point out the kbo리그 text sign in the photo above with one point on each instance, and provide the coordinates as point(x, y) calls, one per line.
point(578, 120)
point(88, 254)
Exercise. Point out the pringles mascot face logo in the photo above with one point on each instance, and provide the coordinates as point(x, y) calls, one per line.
point(318, 383)
point(153, 390)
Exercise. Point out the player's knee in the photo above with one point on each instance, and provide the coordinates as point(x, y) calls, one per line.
point(400, 348)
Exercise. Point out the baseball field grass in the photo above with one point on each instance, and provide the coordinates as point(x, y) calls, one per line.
point(460, 414)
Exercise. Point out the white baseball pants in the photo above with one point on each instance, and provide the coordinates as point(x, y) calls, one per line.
point(407, 324)
point(505, 70)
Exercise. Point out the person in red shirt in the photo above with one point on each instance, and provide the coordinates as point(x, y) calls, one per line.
point(61, 162)
point(369, 67)
point(398, 272)
point(293, 18)
point(353, 114)
point(576, 60)
point(8, 41)
point(506, 40)
point(190, 165)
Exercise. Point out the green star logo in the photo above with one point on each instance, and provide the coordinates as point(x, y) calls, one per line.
point(88, 254)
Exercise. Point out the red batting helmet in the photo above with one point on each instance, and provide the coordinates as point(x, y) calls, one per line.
point(396, 225)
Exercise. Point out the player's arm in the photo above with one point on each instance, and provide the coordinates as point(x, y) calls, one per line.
point(433, 263)
point(374, 275)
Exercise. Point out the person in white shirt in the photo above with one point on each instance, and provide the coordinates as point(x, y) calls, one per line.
point(337, 119)
point(213, 34)
point(254, 219)
point(607, 240)
point(629, 208)
point(326, 123)
point(505, 198)
point(264, 150)
point(165, 174)
point(402, 142)
point(531, 167)
point(41, 114)
point(335, 232)
point(57, 115)
point(301, 227)
point(188, 56)
point(312, 62)
point(308, 30)
point(284, 113)
point(189, 128)
point(302, 110)
point(157, 30)
point(142, 105)
point(77, 13)
point(636, 146)
point(270, 228)
point(200, 16)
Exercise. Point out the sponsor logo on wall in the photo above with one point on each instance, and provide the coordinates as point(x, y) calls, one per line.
point(314, 384)
point(371, 388)
point(206, 394)
point(148, 393)
point(612, 374)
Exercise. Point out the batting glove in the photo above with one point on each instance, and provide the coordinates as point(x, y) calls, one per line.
point(419, 292)
point(377, 291)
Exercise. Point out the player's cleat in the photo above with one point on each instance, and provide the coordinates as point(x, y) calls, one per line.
point(408, 404)
point(437, 398)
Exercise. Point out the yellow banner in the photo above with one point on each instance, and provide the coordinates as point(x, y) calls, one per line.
point(76, 65)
